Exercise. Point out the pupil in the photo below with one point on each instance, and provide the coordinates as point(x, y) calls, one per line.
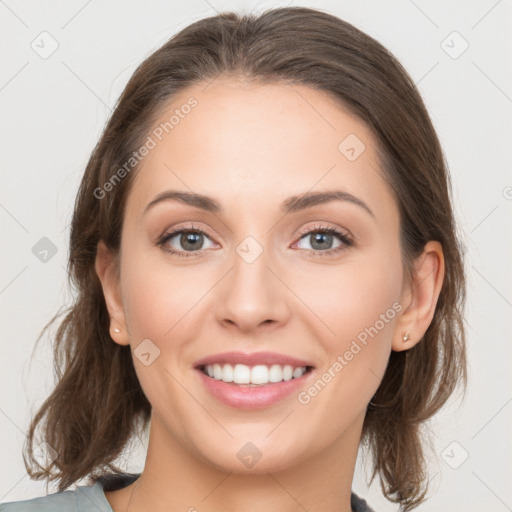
point(318, 238)
point(191, 240)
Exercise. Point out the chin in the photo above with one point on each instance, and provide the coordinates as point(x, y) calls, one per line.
point(243, 456)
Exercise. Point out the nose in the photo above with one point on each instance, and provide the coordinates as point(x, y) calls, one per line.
point(252, 294)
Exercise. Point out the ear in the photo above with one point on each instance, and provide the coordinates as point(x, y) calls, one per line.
point(107, 268)
point(419, 297)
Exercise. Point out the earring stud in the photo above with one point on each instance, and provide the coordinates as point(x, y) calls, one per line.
point(406, 337)
point(116, 330)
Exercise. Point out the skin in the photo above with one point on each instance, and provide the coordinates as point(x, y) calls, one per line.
point(251, 147)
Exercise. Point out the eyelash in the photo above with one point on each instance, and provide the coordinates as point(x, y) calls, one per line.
point(347, 241)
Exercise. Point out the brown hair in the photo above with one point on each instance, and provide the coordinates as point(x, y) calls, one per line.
point(98, 403)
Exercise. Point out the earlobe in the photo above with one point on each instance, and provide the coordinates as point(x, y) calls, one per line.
point(106, 266)
point(421, 296)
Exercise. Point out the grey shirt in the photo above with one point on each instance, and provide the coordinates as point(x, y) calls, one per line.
point(92, 498)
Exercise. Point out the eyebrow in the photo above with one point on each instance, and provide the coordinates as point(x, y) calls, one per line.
point(291, 205)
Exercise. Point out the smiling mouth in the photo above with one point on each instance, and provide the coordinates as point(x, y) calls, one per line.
point(253, 376)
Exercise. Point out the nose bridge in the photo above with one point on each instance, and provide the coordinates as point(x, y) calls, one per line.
point(252, 294)
point(250, 275)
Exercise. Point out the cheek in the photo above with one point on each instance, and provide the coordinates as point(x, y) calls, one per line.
point(351, 297)
point(355, 307)
point(157, 297)
point(159, 306)
point(166, 305)
point(358, 311)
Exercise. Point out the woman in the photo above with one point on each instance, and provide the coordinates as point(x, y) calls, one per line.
point(207, 308)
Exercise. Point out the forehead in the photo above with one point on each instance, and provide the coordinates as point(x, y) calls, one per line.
point(254, 144)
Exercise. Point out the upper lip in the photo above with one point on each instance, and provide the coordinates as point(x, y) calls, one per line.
point(251, 359)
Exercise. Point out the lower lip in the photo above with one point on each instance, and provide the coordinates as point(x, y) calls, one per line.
point(257, 397)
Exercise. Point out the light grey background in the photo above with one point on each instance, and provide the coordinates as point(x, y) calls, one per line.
point(53, 111)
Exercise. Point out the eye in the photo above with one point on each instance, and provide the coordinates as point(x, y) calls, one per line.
point(191, 239)
point(321, 240)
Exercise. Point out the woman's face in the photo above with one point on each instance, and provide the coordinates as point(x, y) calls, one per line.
point(259, 273)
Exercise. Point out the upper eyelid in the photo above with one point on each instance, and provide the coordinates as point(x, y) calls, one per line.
point(188, 227)
point(302, 232)
point(316, 227)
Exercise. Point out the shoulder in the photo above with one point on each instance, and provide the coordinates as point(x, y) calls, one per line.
point(358, 504)
point(82, 499)
point(58, 501)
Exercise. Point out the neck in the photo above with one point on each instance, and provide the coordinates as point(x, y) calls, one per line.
point(175, 477)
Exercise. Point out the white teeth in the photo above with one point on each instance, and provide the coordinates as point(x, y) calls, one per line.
point(275, 373)
point(217, 371)
point(241, 374)
point(227, 373)
point(259, 374)
point(298, 372)
point(287, 372)
point(256, 375)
